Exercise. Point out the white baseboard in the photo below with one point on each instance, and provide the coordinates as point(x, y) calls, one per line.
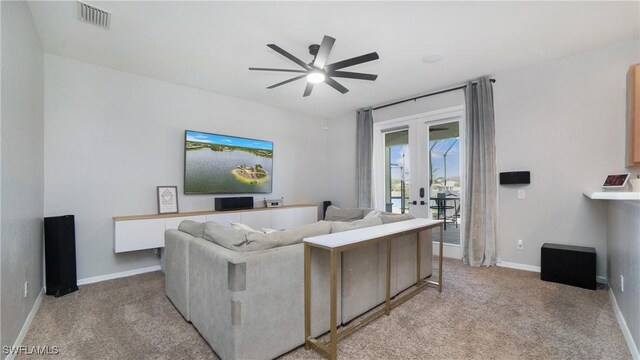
point(27, 325)
point(623, 326)
point(533, 268)
point(450, 251)
point(517, 266)
point(95, 279)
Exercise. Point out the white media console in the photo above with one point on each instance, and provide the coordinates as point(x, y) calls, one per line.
point(141, 232)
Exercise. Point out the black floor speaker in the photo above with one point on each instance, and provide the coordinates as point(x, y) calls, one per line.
point(325, 206)
point(60, 255)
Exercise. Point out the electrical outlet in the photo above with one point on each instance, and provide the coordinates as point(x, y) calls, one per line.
point(26, 288)
point(621, 283)
point(520, 245)
point(522, 194)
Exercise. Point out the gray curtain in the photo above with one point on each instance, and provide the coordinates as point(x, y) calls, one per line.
point(364, 157)
point(480, 190)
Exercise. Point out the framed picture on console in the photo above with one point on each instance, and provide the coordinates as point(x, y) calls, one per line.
point(167, 199)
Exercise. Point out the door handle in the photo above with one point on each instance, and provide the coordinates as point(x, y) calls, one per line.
point(421, 193)
point(414, 202)
point(422, 203)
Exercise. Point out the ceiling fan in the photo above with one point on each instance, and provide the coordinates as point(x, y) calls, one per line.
point(318, 70)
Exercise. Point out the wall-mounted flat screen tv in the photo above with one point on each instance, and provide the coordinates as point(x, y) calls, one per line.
point(222, 164)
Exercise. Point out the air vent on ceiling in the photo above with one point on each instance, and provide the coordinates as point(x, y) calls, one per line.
point(93, 15)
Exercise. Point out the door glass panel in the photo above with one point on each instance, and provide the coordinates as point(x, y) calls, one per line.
point(444, 177)
point(397, 172)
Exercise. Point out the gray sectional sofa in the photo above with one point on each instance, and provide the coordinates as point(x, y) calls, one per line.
point(244, 290)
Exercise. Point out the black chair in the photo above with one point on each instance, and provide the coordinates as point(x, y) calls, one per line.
point(456, 215)
point(442, 207)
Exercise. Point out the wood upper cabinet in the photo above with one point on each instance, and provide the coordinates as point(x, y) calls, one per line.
point(633, 116)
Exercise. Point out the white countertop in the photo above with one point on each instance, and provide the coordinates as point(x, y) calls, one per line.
point(612, 195)
point(368, 233)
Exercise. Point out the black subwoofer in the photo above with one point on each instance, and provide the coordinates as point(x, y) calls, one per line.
point(234, 203)
point(60, 255)
point(570, 265)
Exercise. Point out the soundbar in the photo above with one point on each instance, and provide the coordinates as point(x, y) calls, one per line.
point(234, 203)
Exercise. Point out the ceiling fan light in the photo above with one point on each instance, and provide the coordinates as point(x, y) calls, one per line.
point(315, 77)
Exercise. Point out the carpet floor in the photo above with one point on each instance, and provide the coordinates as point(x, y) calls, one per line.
point(482, 313)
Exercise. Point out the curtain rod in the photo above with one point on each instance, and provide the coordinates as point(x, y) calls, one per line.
point(426, 95)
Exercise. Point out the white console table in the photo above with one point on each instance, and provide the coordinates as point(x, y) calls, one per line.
point(337, 243)
point(141, 232)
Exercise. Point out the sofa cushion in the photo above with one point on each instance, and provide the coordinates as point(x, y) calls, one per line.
point(240, 226)
point(372, 214)
point(388, 218)
point(234, 239)
point(292, 236)
point(338, 226)
point(193, 228)
point(334, 213)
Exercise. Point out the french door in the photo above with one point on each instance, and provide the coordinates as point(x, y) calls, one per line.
point(418, 169)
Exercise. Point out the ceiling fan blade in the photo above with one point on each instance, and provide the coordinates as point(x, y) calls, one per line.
point(336, 85)
point(353, 75)
point(307, 90)
point(286, 81)
point(282, 52)
point(353, 61)
point(323, 52)
point(282, 70)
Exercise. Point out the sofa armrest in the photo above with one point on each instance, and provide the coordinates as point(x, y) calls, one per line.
point(251, 304)
point(176, 269)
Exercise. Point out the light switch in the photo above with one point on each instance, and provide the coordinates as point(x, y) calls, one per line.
point(521, 194)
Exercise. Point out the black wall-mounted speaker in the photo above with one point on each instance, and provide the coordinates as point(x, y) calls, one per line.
point(515, 177)
point(60, 255)
point(234, 203)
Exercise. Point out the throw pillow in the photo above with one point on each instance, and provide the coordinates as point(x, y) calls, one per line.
point(334, 213)
point(193, 228)
point(239, 226)
point(292, 236)
point(372, 214)
point(338, 226)
point(234, 239)
point(388, 218)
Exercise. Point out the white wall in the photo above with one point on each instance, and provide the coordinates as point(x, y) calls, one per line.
point(341, 161)
point(623, 249)
point(420, 106)
point(564, 121)
point(22, 169)
point(112, 137)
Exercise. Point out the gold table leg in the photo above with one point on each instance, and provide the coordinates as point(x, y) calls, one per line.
point(307, 294)
point(419, 257)
point(334, 306)
point(388, 298)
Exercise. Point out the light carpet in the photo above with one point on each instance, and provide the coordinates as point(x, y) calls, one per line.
point(482, 313)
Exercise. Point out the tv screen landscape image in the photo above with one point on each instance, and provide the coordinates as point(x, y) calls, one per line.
point(221, 164)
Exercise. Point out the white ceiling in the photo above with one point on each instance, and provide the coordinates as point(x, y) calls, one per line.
point(210, 45)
